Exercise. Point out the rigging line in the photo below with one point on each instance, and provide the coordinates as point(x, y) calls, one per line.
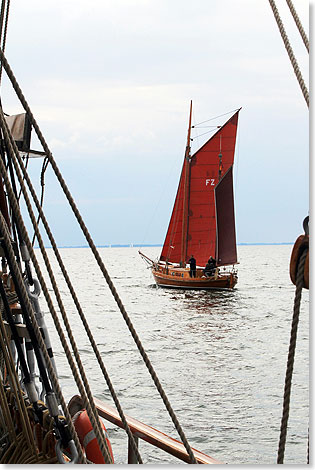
point(26, 299)
point(299, 24)
point(84, 391)
point(26, 375)
point(203, 127)
point(216, 117)
point(6, 417)
point(96, 256)
point(290, 52)
point(154, 212)
point(72, 291)
point(204, 133)
point(5, 32)
point(16, 390)
point(291, 354)
point(3, 5)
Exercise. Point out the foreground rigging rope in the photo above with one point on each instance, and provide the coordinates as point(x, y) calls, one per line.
point(88, 402)
point(5, 8)
point(50, 271)
point(298, 24)
point(299, 275)
point(290, 51)
point(36, 335)
point(97, 256)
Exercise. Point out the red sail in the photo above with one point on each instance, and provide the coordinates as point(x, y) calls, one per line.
point(226, 238)
point(203, 169)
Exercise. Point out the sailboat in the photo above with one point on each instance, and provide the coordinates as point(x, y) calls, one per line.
point(202, 224)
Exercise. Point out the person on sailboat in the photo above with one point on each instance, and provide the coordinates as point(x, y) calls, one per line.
point(213, 262)
point(192, 263)
point(210, 267)
point(208, 271)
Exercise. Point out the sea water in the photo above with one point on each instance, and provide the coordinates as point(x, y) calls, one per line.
point(220, 355)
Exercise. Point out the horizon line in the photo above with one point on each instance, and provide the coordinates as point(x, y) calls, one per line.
point(137, 245)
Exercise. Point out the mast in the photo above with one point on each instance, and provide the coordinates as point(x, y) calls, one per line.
point(186, 195)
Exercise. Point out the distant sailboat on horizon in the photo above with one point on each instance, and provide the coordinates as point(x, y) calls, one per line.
point(202, 223)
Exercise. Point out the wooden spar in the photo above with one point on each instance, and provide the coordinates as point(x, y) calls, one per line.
point(186, 195)
point(151, 435)
point(146, 257)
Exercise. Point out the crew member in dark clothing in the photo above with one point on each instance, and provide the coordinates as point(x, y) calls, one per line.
point(212, 264)
point(192, 263)
point(212, 260)
point(208, 269)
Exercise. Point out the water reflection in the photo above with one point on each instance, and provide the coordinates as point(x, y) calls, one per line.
point(206, 302)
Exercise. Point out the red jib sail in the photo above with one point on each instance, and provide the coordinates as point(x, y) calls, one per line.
point(192, 229)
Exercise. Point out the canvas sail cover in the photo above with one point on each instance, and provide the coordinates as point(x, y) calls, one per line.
point(203, 170)
point(20, 128)
point(226, 238)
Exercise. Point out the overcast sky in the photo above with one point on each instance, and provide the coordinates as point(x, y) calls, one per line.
point(110, 81)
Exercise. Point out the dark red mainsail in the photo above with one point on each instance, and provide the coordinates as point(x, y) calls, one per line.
point(224, 205)
point(193, 226)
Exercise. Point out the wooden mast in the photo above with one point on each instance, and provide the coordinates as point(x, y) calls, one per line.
point(186, 196)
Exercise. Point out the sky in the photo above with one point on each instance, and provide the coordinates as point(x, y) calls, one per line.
point(110, 83)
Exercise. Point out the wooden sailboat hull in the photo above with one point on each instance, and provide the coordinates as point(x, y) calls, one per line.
point(179, 278)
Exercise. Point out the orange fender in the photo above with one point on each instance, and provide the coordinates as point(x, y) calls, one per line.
point(88, 439)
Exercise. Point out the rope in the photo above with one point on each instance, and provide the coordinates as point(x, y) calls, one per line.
point(97, 256)
point(290, 51)
point(6, 416)
point(93, 415)
point(5, 28)
point(17, 273)
point(298, 24)
point(19, 453)
point(15, 386)
point(72, 291)
point(290, 362)
point(216, 117)
point(39, 338)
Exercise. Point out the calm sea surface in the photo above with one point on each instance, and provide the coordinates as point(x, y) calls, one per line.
point(220, 356)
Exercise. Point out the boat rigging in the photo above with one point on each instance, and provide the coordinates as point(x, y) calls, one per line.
point(202, 223)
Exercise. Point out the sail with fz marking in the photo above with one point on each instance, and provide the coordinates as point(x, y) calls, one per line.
point(193, 226)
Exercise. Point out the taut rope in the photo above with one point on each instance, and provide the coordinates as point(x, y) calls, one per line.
point(95, 253)
point(298, 24)
point(72, 291)
point(89, 402)
point(290, 362)
point(290, 51)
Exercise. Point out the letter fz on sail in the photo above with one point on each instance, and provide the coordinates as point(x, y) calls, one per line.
point(199, 250)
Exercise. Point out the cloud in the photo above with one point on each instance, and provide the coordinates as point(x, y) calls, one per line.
point(110, 85)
